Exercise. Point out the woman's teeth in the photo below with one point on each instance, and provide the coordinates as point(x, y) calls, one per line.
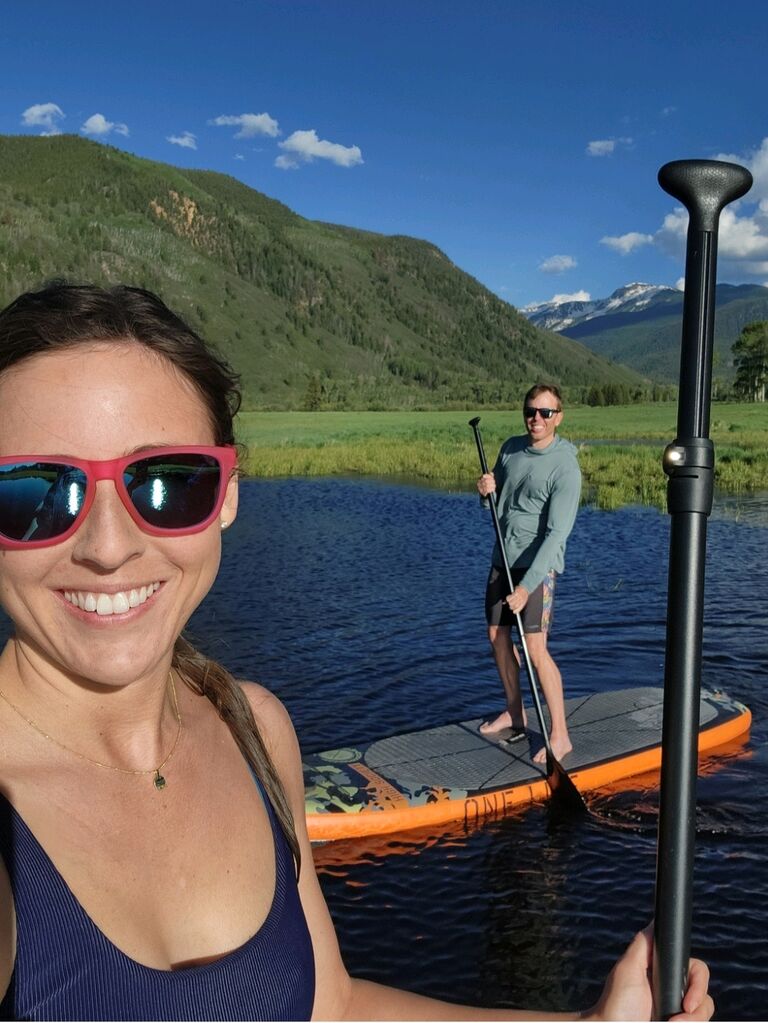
point(110, 603)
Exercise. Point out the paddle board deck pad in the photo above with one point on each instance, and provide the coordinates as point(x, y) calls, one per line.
point(454, 773)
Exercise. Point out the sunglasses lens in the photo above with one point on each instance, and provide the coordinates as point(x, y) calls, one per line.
point(39, 500)
point(546, 413)
point(176, 491)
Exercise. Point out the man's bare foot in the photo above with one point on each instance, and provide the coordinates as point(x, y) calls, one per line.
point(499, 724)
point(559, 749)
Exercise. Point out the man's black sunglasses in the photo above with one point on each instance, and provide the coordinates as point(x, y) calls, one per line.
point(546, 413)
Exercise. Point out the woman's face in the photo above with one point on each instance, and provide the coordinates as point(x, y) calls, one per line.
point(102, 401)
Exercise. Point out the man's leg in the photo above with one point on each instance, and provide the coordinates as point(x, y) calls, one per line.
point(552, 683)
point(506, 657)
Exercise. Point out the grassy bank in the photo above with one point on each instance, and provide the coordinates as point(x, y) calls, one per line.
point(620, 446)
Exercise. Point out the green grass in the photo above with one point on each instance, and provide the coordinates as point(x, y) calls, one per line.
point(438, 447)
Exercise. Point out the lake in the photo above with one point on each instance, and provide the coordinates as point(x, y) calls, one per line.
point(360, 604)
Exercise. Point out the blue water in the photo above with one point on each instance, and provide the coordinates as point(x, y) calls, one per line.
point(360, 604)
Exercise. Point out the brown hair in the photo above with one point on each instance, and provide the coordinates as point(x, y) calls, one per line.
point(538, 389)
point(62, 316)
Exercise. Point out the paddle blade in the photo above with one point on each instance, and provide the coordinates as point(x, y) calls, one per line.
point(564, 793)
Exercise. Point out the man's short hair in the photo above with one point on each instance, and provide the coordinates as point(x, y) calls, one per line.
point(538, 389)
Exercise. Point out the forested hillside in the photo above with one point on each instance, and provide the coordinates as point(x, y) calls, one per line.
point(312, 315)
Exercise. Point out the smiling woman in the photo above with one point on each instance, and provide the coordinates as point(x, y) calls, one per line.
point(152, 810)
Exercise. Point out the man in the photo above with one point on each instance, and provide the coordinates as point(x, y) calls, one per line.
point(538, 485)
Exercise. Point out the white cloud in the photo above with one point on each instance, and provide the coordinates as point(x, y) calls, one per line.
point(606, 147)
point(680, 283)
point(577, 296)
point(286, 163)
point(43, 115)
point(97, 124)
point(305, 146)
point(187, 140)
point(239, 156)
point(557, 264)
point(250, 124)
point(602, 147)
point(743, 240)
point(743, 237)
point(743, 234)
point(757, 162)
point(628, 242)
point(671, 236)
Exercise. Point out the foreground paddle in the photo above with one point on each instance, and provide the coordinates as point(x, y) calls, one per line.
point(565, 795)
point(704, 187)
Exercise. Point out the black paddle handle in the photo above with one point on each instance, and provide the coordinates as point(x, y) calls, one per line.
point(532, 679)
point(705, 187)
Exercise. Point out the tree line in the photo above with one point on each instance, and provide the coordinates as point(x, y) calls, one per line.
point(750, 358)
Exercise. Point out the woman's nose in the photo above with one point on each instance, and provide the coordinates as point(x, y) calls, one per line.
point(108, 537)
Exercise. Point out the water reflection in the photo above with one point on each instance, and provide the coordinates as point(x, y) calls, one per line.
point(749, 509)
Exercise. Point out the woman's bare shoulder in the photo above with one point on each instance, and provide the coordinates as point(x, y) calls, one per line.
point(267, 709)
point(275, 727)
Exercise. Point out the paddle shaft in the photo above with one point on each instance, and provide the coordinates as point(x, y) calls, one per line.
point(705, 187)
point(532, 679)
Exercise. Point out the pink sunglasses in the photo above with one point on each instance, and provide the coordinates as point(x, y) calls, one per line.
point(169, 491)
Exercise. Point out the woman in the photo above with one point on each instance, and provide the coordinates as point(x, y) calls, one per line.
point(153, 823)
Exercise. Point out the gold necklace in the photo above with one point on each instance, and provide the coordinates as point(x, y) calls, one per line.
point(158, 781)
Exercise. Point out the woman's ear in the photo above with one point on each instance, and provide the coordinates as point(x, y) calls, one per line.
point(229, 508)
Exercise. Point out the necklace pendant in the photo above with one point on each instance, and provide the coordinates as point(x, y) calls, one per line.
point(158, 781)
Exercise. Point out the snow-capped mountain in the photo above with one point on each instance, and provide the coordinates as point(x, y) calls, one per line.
point(639, 325)
point(560, 315)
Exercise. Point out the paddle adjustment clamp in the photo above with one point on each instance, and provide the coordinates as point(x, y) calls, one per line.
point(690, 465)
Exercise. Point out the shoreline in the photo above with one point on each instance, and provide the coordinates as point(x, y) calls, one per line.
point(620, 448)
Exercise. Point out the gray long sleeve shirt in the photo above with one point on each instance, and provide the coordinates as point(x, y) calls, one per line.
point(537, 493)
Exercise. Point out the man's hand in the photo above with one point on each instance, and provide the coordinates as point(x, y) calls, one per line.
point(487, 484)
point(516, 601)
point(627, 991)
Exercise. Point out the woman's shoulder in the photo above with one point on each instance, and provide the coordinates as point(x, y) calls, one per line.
point(277, 733)
point(268, 710)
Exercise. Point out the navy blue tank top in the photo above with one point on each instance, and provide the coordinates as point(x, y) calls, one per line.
point(66, 968)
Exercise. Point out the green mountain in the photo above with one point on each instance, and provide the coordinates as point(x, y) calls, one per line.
point(310, 314)
point(648, 339)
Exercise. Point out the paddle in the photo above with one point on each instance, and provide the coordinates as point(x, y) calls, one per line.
point(564, 792)
point(704, 187)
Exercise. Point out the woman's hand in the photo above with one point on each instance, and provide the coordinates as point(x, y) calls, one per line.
point(487, 484)
point(627, 991)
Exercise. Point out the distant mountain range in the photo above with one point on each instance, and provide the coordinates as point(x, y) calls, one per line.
point(312, 315)
point(640, 325)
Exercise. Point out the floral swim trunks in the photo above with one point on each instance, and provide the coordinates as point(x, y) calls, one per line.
point(537, 613)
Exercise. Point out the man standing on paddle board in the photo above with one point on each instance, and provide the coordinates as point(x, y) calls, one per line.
point(538, 484)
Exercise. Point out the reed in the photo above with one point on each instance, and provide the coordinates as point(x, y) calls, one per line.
point(619, 447)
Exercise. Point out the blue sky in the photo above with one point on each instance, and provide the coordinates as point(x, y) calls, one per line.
point(522, 138)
